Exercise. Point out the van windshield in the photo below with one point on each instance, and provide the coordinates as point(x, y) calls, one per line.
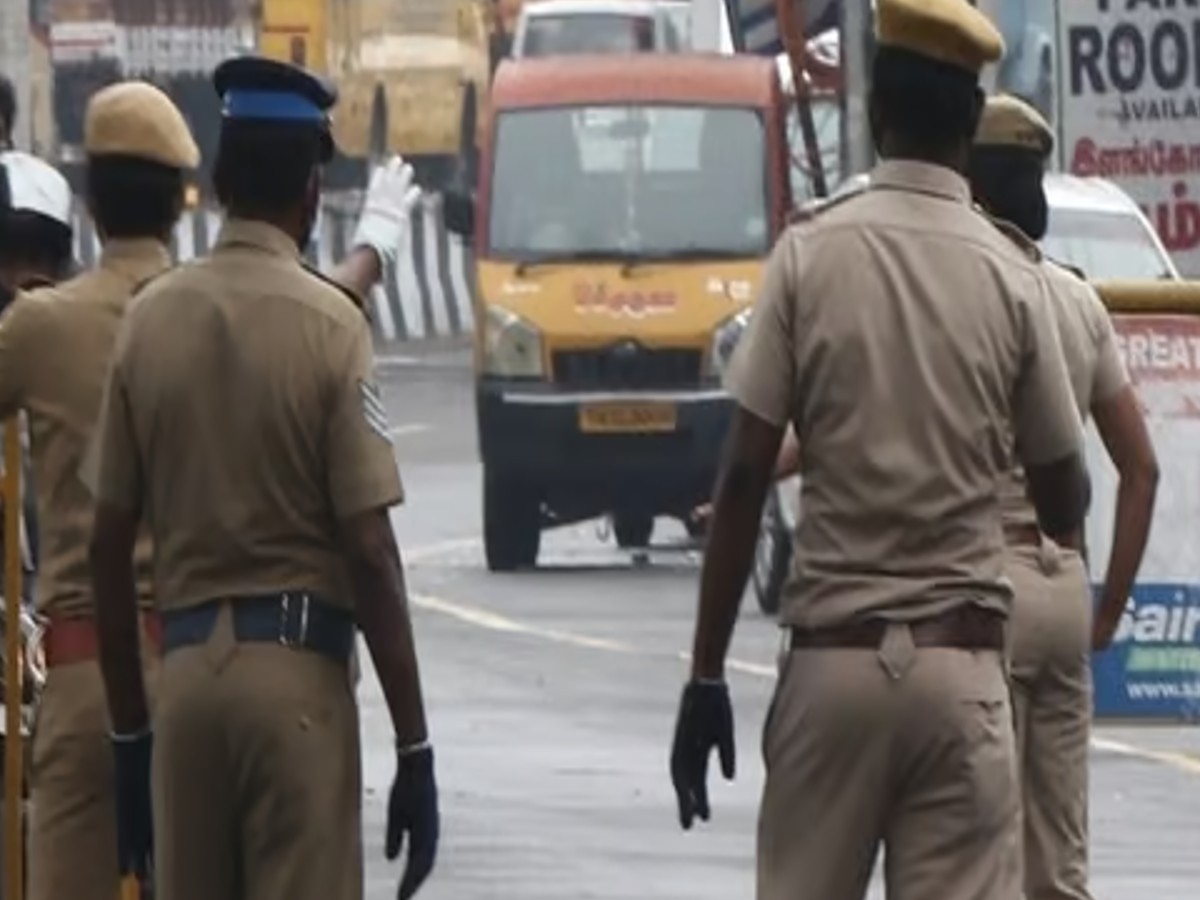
point(1104, 245)
point(552, 35)
point(630, 181)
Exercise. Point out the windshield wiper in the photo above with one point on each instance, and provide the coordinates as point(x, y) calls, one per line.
point(684, 254)
point(561, 258)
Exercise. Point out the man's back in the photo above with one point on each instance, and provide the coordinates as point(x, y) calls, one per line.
point(235, 369)
point(911, 317)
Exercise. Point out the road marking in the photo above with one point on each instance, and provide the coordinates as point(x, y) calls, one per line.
point(1181, 761)
point(412, 428)
point(482, 618)
point(475, 616)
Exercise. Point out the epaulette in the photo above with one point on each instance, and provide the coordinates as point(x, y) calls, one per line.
point(1067, 267)
point(1022, 241)
point(359, 302)
point(814, 208)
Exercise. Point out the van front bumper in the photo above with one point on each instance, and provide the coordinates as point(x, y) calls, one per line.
point(533, 433)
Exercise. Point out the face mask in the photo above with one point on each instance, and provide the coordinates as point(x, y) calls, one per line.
point(1024, 204)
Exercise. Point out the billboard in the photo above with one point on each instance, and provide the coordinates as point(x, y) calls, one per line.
point(1152, 669)
point(1130, 109)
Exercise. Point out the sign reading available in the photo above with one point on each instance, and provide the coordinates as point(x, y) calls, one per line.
point(1130, 110)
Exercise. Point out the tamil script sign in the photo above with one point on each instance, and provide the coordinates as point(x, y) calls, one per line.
point(1153, 668)
point(1130, 111)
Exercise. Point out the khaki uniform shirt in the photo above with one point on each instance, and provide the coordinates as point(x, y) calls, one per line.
point(1093, 363)
point(56, 346)
point(242, 419)
point(904, 337)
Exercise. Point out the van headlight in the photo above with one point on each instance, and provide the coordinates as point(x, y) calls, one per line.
point(512, 347)
point(725, 340)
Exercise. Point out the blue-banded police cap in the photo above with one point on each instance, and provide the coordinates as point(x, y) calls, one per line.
point(254, 88)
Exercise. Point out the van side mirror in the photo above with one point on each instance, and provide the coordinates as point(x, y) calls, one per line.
point(458, 212)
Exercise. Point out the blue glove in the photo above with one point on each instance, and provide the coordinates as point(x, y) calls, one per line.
point(135, 825)
point(705, 722)
point(413, 811)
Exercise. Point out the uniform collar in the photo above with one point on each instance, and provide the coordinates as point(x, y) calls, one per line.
point(139, 258)
point(923, 178)
point(259, 235)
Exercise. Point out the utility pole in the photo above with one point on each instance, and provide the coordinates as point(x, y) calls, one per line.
point(856, 42)
point(15, 62)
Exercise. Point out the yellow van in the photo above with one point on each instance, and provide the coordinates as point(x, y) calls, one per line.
point(626, 204)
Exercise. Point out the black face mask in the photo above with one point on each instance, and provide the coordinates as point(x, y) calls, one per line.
point(1009, 184)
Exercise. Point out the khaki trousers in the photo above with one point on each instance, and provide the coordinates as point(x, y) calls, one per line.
point(73, 824)
point(1052, 705)
point(909, 748)
point(257, 781)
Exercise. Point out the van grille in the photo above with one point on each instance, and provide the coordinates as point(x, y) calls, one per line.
point(627, 367)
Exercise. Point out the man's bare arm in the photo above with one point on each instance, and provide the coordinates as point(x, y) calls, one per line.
point(1123, 430)
point(359, 271)
point(747, 472)
point(115, 591)
point(382, 612)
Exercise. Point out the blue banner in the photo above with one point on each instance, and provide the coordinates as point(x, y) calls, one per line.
point(1152, 669)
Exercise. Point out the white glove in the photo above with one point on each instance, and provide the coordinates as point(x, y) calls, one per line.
point(384, 222)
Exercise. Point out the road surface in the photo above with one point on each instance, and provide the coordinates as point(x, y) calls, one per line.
point(552, 698)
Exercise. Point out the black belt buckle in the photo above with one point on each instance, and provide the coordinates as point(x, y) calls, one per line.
point(293, 619)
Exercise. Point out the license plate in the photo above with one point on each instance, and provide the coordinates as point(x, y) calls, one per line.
point(615, 418)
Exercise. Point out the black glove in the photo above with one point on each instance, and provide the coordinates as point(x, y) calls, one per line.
point(413, 810)
point(705, 721)
point(135, 824)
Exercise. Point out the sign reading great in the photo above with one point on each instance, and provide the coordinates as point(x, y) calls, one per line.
point(1152, 669)
point(1130, 111)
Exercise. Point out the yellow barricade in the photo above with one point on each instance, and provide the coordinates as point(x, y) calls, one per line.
point(1150, 297)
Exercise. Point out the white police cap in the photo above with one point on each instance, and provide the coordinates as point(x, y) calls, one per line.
point(27, 184)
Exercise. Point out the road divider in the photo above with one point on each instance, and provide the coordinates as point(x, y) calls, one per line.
point(427, 295)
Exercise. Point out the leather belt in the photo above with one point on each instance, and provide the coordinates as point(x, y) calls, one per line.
point(74, 640)
point(964, 628)
point(291, 618)
point(1023, 535)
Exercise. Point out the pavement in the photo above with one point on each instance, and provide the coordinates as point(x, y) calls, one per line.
point(552, 698)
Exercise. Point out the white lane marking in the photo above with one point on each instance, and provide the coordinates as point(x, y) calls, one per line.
point(411, 428)
point(475, 616)
point(482, 618)
point(1181, 761)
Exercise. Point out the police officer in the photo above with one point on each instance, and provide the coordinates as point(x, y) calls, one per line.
point(1052, 612)
point(242, 423)
point(35, 224)
point(905, 338)
point(35, 251)
point(55, 346)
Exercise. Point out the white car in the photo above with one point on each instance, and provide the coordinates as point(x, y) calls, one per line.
point(565, 27)
point(1095, 227)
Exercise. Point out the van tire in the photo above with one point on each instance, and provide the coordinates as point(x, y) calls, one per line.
point(772, 557)
point(512, 526)
point(633, 530)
